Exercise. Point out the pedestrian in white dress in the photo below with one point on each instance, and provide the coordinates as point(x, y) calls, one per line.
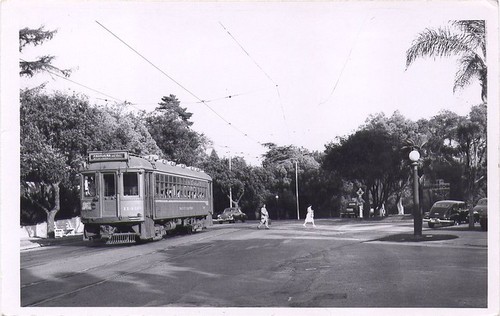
point(264, 217)
point(309, 216)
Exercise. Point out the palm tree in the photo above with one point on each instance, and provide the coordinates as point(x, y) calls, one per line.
point(465, 38)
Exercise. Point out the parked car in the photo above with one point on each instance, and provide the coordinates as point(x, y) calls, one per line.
point(447, 212)
point(481, 209)
point(231, 215)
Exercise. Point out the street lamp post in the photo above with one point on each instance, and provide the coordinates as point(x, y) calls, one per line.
point(417, 215)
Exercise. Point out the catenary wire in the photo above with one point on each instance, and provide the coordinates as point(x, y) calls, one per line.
point(265, 73)
point(177, 83)
point(97, 91)
point(344, 65)
point(81, 85)
point(234, 95)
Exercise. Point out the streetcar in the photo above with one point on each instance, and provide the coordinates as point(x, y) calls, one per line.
point(127, 198)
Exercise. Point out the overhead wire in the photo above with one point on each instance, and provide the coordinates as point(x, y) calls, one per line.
point(86, 87)
point(344, 65)
point(233, 95)
point(91, 89)
point(79, 84)
point(265, 73)
point(97, 91)
point(245, 51)
point(226, 149)
point(177, 83)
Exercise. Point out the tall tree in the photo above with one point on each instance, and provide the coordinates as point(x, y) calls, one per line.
point(42, 177)
point(216, 168)
point(402, 130)
point(37, 37)
point(287, 164)
point(170, 127)
point(456, 151)
point(120, 129)
point(369, 158)
point(464, 38)
point(54, 130)
point(472, 150)
point(248, 183)
point(57, 131)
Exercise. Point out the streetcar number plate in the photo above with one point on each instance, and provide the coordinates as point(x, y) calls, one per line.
point(87, 206)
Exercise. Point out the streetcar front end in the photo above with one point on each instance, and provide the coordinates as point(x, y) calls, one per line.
point(112, 197)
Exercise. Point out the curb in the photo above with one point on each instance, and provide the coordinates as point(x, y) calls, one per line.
point(32, 243)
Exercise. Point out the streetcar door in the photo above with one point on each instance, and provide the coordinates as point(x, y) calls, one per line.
point(109, 199)
point(149, 194)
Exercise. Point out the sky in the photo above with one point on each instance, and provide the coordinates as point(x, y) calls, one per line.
point(287, 73)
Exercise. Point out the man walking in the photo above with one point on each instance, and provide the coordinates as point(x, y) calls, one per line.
point(264, 217)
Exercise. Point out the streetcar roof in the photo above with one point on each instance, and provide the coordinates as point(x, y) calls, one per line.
point(134, 162)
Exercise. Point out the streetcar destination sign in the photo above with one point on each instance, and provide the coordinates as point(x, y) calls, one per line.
point(108, 156)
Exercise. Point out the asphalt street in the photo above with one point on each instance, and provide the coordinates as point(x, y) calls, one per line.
point(341, 263)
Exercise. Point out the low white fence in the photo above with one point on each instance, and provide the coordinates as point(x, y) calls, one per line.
point(40, 230)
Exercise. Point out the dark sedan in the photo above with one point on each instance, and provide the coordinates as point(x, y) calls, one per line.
point(231, 215)
point(447, 212)
point(481, 209)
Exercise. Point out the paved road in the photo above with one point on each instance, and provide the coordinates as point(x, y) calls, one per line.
point(341, 263)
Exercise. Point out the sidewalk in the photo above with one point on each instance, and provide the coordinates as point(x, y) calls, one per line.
point(390, 218)
point(35, 242)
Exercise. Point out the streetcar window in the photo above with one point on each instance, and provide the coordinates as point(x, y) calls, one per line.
point(163, 186)
point(89, 185)
point(109, 184)
point(184, 189)
point(171, 187)
point(130, 183)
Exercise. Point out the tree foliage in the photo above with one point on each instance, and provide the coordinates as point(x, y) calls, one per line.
point(57, 132)
point(457, 151)
point(119, 129)
point(248, 183)
point(286, 165)
point(463, 38)
point(371, 157)
point(37, 37)
point(170, 127)
point(51, 147)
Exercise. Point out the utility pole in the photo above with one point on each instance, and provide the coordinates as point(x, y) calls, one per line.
point(230, 192)
point(297, 187)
